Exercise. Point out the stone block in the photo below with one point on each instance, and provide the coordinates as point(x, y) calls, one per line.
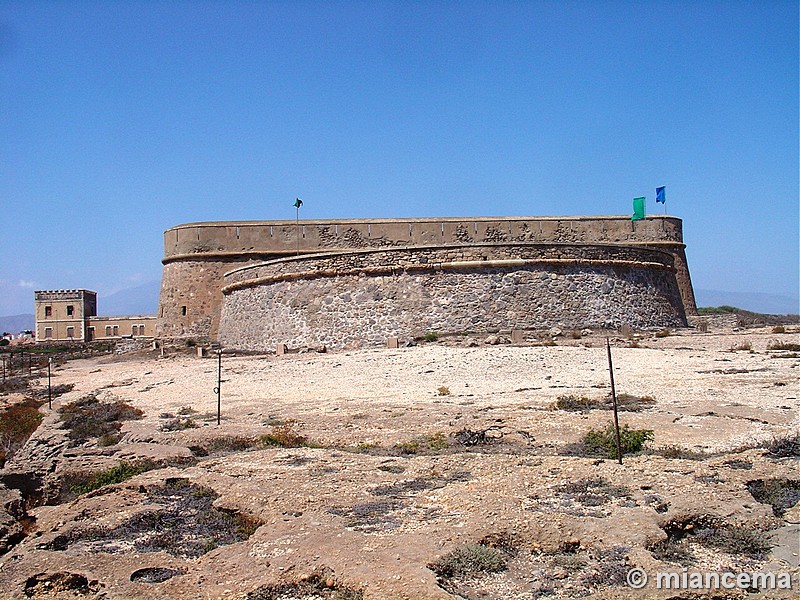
point(281, 349)
point(516, 336)
point(392, 342)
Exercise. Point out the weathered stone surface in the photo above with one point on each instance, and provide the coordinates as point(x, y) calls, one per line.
point(11, 511)
point(331, 300)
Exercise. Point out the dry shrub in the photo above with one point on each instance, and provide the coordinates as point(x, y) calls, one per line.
point(779, 345)
point(786, 446)
point(625, 402)
point(17, 423)
point(469, 560)
point(677, 452)
point(88, 417)
point(285, 436)
point(780, 494)
point(321, 585)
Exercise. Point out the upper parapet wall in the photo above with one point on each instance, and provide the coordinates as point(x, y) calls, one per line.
point(231, 238)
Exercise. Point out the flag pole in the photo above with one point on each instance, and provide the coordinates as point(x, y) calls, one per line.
point(297, 204)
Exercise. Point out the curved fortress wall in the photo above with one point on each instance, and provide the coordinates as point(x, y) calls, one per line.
point(355, 298)
point(197, 255)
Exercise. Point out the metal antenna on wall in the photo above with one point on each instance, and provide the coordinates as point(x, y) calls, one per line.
point(297, 204)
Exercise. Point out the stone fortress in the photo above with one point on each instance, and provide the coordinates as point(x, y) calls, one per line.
point(252, 285)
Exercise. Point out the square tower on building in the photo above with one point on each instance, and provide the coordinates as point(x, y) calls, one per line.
point(61, 315)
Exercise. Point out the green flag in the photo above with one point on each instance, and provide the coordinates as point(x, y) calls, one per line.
point(638, 209)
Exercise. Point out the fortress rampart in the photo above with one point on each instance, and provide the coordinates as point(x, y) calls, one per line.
point(548, 270)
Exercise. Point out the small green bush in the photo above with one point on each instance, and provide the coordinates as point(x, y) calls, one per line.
point(662, 333)
point(429, 444)
point(603, 442)
point(443, 391)
point(437, 441)
point(472, 559)
point(410, 447)
point(779, 329)
point(431, 336)
point(118, 474)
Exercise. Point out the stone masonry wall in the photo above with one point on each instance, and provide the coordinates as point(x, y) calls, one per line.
point(342, 302)
point(196, 255)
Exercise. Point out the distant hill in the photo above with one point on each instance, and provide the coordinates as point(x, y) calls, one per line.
point(16, 323)
point(139, 300)
point(772, 304)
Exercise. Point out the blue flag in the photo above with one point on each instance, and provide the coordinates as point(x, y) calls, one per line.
point(661, 194)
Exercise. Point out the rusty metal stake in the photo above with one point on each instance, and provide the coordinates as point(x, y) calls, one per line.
point(614, 400)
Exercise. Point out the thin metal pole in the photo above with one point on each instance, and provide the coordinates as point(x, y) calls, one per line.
point(49, 387)
point(297, 228)
point(218, 389)
point(614, 400)
point(4, 368)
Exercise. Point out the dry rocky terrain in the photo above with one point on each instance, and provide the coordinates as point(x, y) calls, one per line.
point(453, 468)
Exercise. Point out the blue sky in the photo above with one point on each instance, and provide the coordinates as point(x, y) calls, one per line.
point(121, 119)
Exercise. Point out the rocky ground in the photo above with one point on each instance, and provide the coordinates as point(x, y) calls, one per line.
point(435, 471)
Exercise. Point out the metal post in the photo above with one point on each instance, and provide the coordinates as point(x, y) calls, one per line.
point(49, 386)
point(297, 204)
point(218, 389)
point(614, 400)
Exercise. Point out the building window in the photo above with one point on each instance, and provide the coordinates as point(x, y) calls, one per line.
point(70, 332)
point(70, 310)
point(116, 330)
point(108, 330)
point(48, 311)
point(183, 311)
point(48, 332)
